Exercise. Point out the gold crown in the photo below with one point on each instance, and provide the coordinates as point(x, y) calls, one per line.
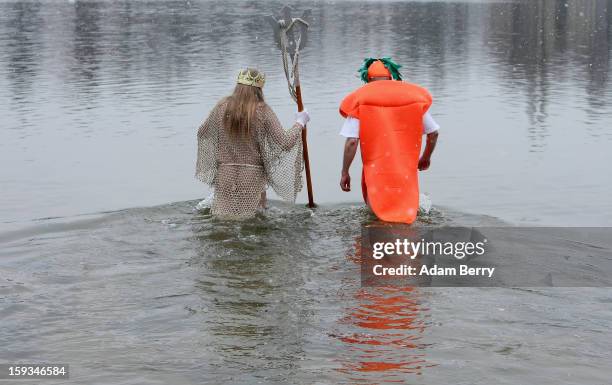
point(245, 77)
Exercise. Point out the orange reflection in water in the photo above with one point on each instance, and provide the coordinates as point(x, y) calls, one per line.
point(382, 332)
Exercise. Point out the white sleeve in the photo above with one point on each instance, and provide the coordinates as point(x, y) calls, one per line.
point(429, 124)
point(350, 128)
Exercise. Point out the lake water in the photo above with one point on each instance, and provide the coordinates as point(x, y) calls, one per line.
point(100, 100)
point(105, 264)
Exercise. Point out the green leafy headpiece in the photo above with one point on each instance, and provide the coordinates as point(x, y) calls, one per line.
point(392, 66)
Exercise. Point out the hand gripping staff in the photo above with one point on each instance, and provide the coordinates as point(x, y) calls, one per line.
point(290, 35)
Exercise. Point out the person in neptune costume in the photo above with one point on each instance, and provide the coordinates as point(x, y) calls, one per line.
point(387, 118)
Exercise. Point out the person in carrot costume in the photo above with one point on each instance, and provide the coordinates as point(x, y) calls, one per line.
point(387, 118)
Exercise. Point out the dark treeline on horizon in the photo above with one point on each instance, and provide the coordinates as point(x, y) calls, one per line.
point(85, 44)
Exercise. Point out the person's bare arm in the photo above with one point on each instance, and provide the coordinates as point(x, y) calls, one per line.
point(425, 160)
point(350, 149)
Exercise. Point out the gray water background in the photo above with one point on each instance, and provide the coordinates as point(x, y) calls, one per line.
point(100, 101)
point(99, 104)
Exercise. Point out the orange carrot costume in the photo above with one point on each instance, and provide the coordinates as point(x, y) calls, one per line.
point(391, 127)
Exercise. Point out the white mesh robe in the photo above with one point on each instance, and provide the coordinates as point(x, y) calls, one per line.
point(240, 168)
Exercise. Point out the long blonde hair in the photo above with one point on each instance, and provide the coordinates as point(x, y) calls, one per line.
point(241, 110)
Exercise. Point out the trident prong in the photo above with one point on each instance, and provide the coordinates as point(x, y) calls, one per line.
point(296, 29)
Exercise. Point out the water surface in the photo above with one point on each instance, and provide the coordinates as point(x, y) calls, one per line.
point(99, 105)
point(169, 295)
point(100, 100)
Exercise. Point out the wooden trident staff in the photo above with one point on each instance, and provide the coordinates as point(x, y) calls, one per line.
point(290, 35)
